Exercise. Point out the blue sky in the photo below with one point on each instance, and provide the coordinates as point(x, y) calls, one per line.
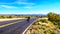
point(29, 6)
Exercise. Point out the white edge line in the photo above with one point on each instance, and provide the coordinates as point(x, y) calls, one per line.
point(29, 26)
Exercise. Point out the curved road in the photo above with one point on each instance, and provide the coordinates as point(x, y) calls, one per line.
point(17, 28)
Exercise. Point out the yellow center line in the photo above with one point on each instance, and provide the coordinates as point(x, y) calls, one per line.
point(9, 24)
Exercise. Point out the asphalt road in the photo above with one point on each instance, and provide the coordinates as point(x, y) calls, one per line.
point(17, 28)
point(11, 21)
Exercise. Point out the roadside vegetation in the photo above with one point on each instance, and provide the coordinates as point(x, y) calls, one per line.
point(51, 25)
point(55, 19)
point(15, 16)
point(1, 17)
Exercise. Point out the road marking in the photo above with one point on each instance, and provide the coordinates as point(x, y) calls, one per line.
point(10, 24)
point(28, 27)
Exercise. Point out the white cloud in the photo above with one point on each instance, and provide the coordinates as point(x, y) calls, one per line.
point(23, 2)
point(55, 10)
point(44, 12)
point(27, 7)
point(19, 2)
point(6, 6)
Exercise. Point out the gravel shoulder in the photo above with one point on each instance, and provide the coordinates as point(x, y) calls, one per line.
point(10, 19)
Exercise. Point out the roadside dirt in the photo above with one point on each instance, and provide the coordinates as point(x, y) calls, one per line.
point(10, 19)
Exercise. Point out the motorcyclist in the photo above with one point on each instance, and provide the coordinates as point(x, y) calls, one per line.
point(28, 19)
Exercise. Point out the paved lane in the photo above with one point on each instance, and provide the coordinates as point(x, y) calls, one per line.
point(11, 21)
point(17, 28)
